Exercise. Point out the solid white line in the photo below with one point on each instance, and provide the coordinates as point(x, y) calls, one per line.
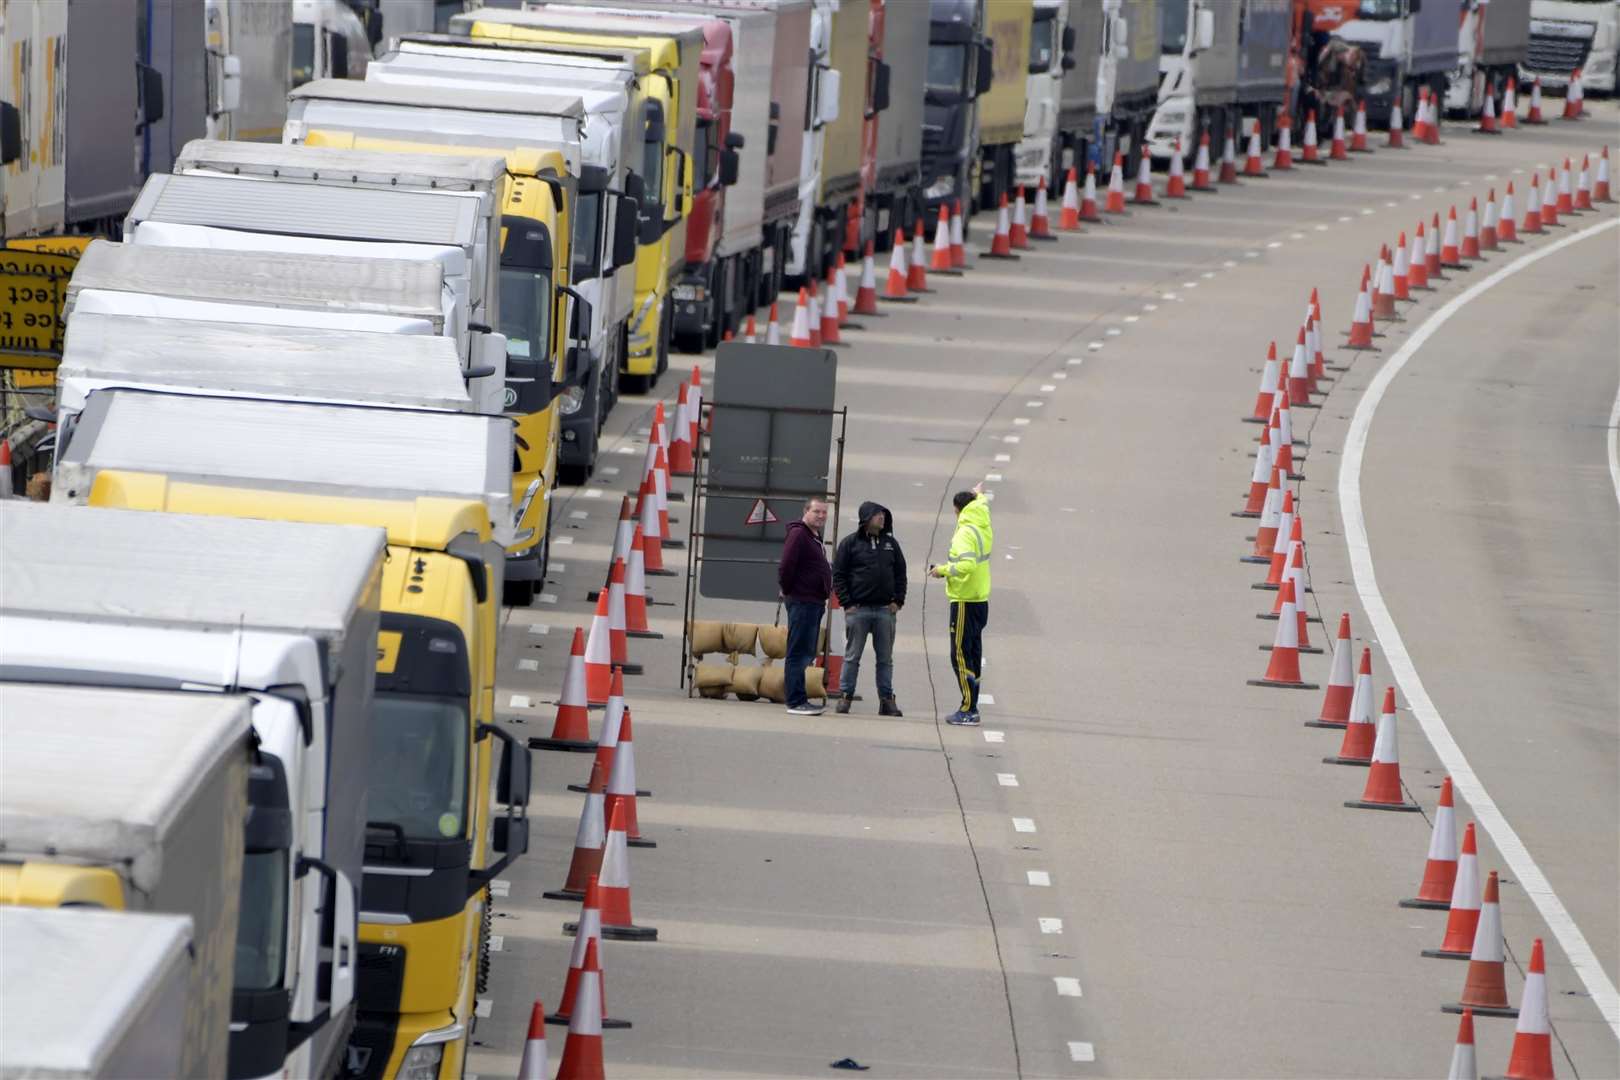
point(1468, 784)
point(1067, 986)
point(1082, 1051)
point(1039, 877)
point(1023, 824)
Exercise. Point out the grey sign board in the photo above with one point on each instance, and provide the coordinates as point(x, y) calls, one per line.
point(771, 448)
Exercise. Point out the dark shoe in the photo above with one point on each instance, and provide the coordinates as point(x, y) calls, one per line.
point(962, 719)
point(805, 710)
point(844, 702)
point(887, 707)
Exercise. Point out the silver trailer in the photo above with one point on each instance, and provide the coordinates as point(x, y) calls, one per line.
point(1077, 107)
point(220, 359)
point(1136, 78)
point(900, 126)
point(153, 787)
point(92, 995)
point(1262, 72)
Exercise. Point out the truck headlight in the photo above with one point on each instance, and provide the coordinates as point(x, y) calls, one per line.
point(687, 292)
point(1173, 118)
point(942, 188)
point(1379, 86)
point(571, 399)
point(421, 1062)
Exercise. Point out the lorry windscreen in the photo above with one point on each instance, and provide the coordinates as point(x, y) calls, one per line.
point(1173, 27)
point(700, 154)
point(261, 929)
point(652, 163)
point(526, 311)
point(1042, 41)
point(303, 53)
point(1380, 9)
point(947, 68)
point(419, 765)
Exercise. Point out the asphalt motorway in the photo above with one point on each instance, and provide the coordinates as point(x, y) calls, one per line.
point(1139, 866)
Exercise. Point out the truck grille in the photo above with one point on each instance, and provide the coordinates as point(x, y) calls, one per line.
point(1556, 54)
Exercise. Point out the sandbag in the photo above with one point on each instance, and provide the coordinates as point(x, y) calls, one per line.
point(770, 684)
point(745, 682)
point(815, 683)
point(714, 693)
point(740, 637)
point(773, 641)
point(707, 636)
point(710, 676)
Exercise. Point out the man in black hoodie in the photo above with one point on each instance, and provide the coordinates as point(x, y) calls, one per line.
point(869, 577)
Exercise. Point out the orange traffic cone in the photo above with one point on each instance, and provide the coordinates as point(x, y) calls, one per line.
point(1574, 97)
point(1583, 188)
point(599, 653)
point(608, 744)
point(1268, 389)
point(1487, 116)
point(800, 338)
point(1464, 1066)
point(1383, 790)
point(652, 542)
point(1440, 868)
point(814, 319)
point(1069, 212)
point(1470, 233)
point(1358, 130)
point(1510, 104)
point(534, 1064)
point(773, 329)
point(1200, 180)
point(1018, 231)
point(866, 299)
point(1397, 123)
point(8, 479)
point(939, 260)
point(1361, 325)
point(1228, 174)
point(635, 590)
point(1450, 250)
point(894, 288)
point(916, 268)
point(618, 632)
point(1040, 222)
point(1507, 226)
point(1088, 199)
point(1001, 242)
point(1339, 148)
point(835, 647)
point(1284, 158)
point(621, 784)
point(1341, 684)
point(1144, 180)
point(1534, 115)
point(1309, 150)
point(1417, 267)
point(1278, 572)
point(829, 309)
point(1283, 668)
point(1265, 537)
point(588, 840)
point(958, 241)
point(1532, 208)
point(1401, 278)
point(680, 446)
point(1176, 186)
point(571, 730)
point(582, 1053)
point(1600, 182)
point(1263, 463)
point(1566, 193)
point(1294, 575)
point(1299, 374)
point(588, 935)
point(1431, 252)
point(1116, 186)
point(1487, 225)
point(614, 881)
point(1360, 733)
point(1549, 198)
point(1485, 987)
point(1463, 920)
point(1532, 1038)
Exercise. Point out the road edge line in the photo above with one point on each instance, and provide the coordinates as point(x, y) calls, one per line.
point(1467, 782)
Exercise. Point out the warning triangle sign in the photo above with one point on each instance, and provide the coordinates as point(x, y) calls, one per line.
point(760, 514)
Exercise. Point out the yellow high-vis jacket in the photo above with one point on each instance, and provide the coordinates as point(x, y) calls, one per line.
point(967, 568)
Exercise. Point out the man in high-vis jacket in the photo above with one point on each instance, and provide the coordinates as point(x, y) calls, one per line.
point(966, 571)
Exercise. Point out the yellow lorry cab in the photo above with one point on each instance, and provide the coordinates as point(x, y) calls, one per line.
point(673, 62)
point(434, 839)
point(537, 197)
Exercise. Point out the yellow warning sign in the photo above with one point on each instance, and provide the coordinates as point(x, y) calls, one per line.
point(33, 284)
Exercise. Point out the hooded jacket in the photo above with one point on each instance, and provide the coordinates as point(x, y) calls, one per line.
point(870, 570)
point(967, 568)
point(802, 573)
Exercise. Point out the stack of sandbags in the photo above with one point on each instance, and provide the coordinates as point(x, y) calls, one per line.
point(749, 682)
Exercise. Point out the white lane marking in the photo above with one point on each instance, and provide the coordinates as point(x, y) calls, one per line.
point(1167, 296)
point(1020, 420)
point(1229, 264)
point(1189, 284)
point(1094, 345)
point(993, 477)
point(1048, 388)
point(548, 598)
point(987, 699)
point(539, 628)
point(1003, 458)
point(484, 1007)
point(1614, 451)
point(610, 470)
point(577, 515)
point(625, 450)
point(1023, 824)
point(1469, 785)
point(1133, 318)
point(1067, 986)
point(521, 701)
point(1274, 244)
point(592, 493)
point(1082, 1051)
point(1115, 331)
point(528, 665)
point(1011, 438)
point(1050, 926)
point(500, 887)
point(995, 736)
point(497, 943)
point(1321, 228)
point(1007, 779)
point(1060, 374)
point(1301, 236)
point(1039, 878)
point(557, 567)
point(559, 541)
point(1150, 307)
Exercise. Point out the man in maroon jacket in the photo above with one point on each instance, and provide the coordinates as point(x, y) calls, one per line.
point(805, 580)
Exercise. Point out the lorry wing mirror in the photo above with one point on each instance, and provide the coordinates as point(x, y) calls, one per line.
point(1068, 40)
point(336, 983)
point(735, 140)
point(579, 323)
point(150, 82)
point(337, 47)
point(880, 87)
point(770, 136)
point(512, 785)
point(624, 232)
point(655, 123)
point(730, 167)
point(827, 87)
point(511, 836)
point(652, 222)
point(528, 385)
point(511, 833)
point(984, 72)
point(10, 133)
point(1206, 29)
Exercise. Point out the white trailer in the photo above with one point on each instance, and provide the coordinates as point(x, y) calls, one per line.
point(92, 995)
point(149, 788)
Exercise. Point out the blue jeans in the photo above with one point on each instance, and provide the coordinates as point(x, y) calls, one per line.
point(858, 622)
point(804, 632)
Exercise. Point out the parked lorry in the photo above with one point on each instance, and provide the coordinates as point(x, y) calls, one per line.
point(1223, 63)
point(1493, 39)
point(1007, 25)
point(1127, 77)
point(147, 791)
point(1570, 34)
point(329, 42)
point(897, 194)
point(960, 72)
point(88, 994)
point(169, 603)
point(1050, 122)
point(1407, 44)
point(434, 838)
point(250, 51)
point(604, 217)
point(671, 101)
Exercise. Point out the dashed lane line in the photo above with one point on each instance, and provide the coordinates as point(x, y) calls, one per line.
point(1039, 878)
point(1050, 925)
point(1023, 824)
point(1082, 1052)
point(1468, 783)
point(1067, 985)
